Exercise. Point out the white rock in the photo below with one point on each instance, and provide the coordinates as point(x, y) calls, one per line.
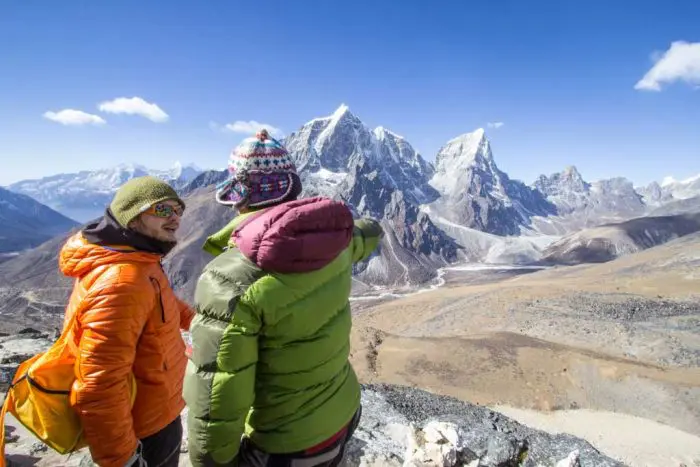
point(572, 460)
point(435, 445)
point(377, 460)
point(441, 432)
point(398, 432)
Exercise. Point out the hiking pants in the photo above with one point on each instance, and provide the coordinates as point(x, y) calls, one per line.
point(161, 449)
point(327, 454)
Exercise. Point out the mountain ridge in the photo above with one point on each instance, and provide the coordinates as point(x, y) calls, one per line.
point(83, 195)
point(26, 223)
point(462, 208)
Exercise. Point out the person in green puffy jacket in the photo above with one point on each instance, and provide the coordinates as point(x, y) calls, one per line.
point(268, 380)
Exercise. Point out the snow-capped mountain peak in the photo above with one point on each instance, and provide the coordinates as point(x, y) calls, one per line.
point(341, 111)
point(464, 151)
point(341, 142)
point(329, 142)
point(580, 203)
point(83, 195)
point(383, 133)
point(571, 172)
point(381, 175)
point(184, 172)
point(476, 193)
point(564, 183)
point(458, 157)
point(668, 180)
point(671, 189)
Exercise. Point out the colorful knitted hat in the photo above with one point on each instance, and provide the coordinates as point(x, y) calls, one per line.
point(261, 173)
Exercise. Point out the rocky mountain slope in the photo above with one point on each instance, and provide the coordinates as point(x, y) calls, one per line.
point(656, 194)
point(477, 194)
point(26, 223)
point(580, 204)
point(677, 206)
point(381, 176)
point(607, 242)
point(82, 196)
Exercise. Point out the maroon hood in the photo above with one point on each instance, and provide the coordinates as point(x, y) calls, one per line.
point(298, 236)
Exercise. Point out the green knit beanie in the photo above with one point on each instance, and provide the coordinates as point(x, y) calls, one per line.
point(137, 195)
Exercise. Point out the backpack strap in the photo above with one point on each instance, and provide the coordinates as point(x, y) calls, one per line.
point(5, 405)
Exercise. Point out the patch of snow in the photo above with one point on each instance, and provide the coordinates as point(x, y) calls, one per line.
point(668, 180)
point(329, 176)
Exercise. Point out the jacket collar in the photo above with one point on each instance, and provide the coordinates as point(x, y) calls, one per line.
point(222, 240)
point(108, 233)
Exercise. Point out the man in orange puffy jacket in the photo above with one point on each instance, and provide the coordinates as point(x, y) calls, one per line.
point(131, 355)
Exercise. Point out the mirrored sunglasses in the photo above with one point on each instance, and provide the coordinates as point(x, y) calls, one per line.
point(164, 210)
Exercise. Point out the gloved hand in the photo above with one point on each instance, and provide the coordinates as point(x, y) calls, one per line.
point(137, 459)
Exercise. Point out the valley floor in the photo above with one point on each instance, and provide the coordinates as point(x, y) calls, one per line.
point(621, 338)
point(632, 440)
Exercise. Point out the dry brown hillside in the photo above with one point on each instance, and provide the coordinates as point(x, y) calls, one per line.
point(621, 336)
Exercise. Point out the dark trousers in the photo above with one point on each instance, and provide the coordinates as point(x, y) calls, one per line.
point(326, 455)
point(163, 448)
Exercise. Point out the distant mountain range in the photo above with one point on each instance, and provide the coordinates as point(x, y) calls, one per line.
point(83, 196)
point(461, 208)
point(26, 223)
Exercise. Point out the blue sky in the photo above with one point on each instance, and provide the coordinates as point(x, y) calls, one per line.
point(559, 75)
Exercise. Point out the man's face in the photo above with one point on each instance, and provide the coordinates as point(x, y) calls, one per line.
point(161, 221)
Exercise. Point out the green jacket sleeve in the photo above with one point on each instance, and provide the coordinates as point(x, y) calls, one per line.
point(220, 378)
point(365, 238)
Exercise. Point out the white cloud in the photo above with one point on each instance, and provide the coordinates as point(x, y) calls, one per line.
point(252, 127)
point(495, 125)
point(135, 106)
point(681, 62)
point(74, 117)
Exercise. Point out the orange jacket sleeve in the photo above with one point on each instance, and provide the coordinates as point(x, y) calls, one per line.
point(186, 315)
point(112, 319)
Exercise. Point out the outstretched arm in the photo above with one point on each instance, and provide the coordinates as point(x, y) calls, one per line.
point(365, 239)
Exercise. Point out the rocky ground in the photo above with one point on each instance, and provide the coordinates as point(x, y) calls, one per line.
point(402, 427)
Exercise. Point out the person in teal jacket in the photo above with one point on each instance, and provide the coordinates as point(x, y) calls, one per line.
point(268, 381)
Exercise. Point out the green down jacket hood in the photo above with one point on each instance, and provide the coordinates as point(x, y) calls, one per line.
point(271, 338)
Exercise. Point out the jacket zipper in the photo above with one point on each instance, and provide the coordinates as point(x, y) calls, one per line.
point(162, 311)
point(160, 299)
point(41, 388)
